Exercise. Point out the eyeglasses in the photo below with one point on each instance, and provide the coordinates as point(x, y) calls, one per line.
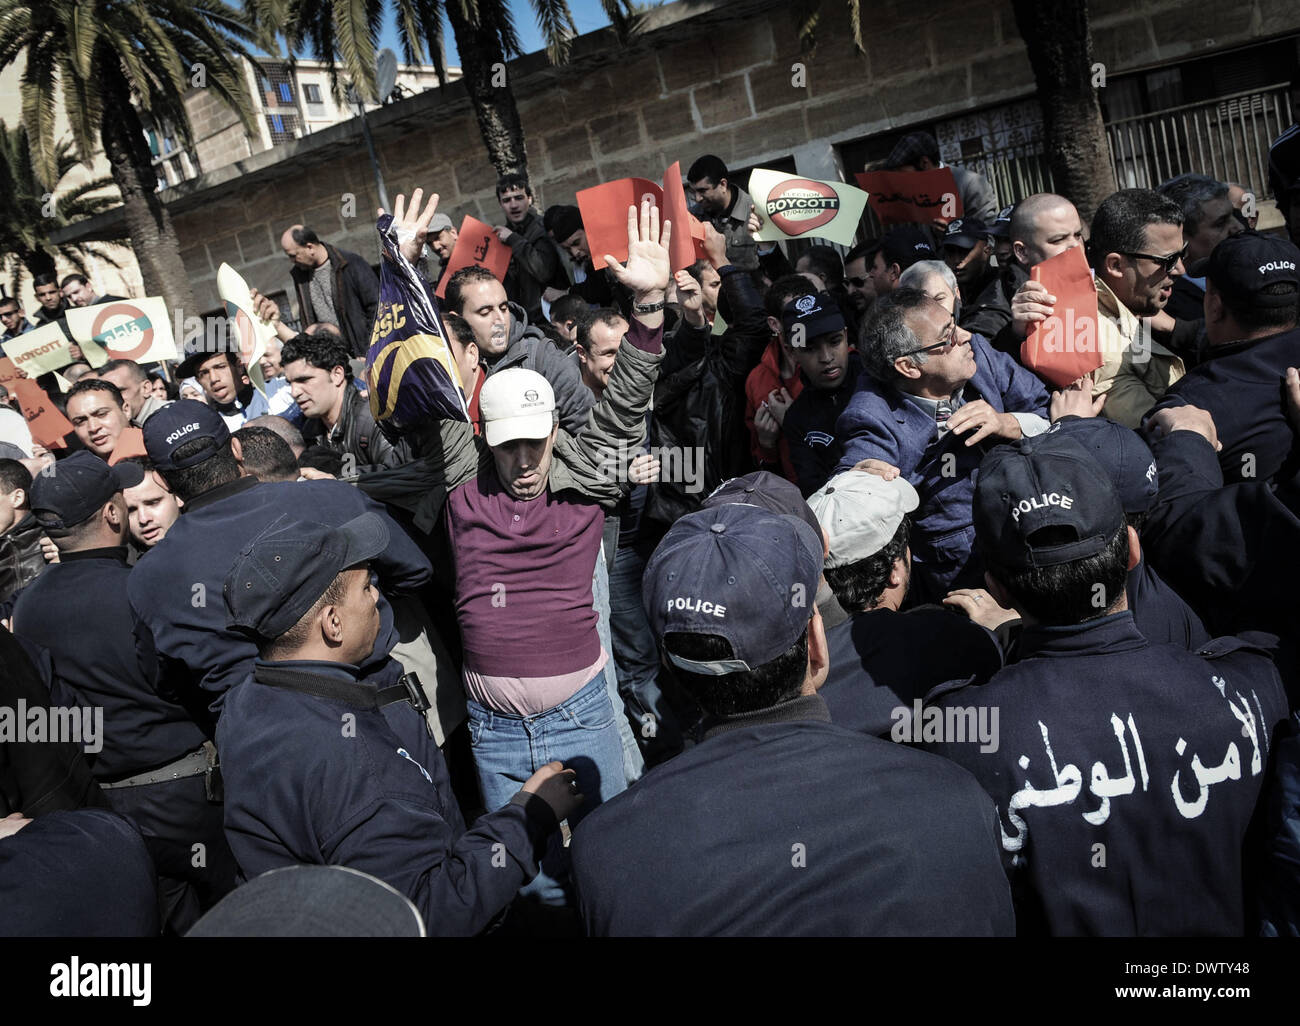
point(858, 283)
point(1167, 263)
point(946, 340)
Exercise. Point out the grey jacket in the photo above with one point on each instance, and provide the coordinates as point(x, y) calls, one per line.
point(978, 199)
point(591, 461)
point(530, 349)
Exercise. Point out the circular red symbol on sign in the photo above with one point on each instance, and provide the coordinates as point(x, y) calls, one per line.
point(136, 314)
point(800, 205)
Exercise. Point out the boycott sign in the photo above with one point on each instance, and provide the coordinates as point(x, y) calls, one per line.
point(913, 197)
point(40, 350)
point(794, 207)
point(125, 329)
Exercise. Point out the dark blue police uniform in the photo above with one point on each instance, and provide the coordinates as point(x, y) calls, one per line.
point(809, 428)
point(337, 781)
point(77, 873)
point(1159, 612)
point(883, 660)
point(1241, 386)
point(782, 824)
point(1125, 776)
point(176, 592)
point(77, 612)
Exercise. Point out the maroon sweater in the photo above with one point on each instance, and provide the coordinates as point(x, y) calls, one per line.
point(523, 571)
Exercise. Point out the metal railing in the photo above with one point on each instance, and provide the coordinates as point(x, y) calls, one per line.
point(1226, 138)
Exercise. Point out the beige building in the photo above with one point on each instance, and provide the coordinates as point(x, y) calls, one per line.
point(292, 101)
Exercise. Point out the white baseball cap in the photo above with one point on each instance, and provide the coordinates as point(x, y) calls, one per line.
point(516, 403)
point(861, 513)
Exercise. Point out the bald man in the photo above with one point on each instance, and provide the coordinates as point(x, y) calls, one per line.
point(1042, 225)
point(333, 285)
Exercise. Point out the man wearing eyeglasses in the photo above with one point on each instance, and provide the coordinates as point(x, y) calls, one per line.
point(1137, 250)
point(934, 399)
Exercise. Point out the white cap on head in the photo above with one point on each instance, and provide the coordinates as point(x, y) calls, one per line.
point(516, 403)
point(861, 513)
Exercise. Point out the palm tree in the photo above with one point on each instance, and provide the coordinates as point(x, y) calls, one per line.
point(1058, 39)
point(29, 212)
point(108, 61)
point(485, 36)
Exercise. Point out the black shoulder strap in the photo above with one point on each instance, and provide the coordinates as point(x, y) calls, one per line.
point(406, 690)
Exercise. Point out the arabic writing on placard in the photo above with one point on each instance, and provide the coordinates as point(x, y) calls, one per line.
point(124, 332)
point(1069, 782)
point(912, 197)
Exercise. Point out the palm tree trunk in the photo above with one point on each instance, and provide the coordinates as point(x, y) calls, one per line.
point(481, 61)
point(1059, 42)
point(157, 249)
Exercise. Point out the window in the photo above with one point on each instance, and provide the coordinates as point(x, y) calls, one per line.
point(312, 92)
point(284, 127)
point(286, 92)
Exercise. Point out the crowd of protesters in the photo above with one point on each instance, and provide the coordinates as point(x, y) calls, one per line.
point(774, 596)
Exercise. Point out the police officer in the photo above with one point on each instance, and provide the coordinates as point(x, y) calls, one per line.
point(1159, 612)
point(1232, 549)
point(830, 369)
point(323, 767)
point(1252, 285)
point(778, 823)
point(153, 766)
point(1125, 772)
point(883, 659)
point(175, 592)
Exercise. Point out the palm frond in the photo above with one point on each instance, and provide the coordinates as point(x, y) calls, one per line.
point(558, 28)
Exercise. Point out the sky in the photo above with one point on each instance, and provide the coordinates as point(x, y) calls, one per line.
point(587, 14)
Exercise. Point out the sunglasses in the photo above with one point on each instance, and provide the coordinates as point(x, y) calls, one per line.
point(858, 283)
point(945, 340)
point(1167, 263)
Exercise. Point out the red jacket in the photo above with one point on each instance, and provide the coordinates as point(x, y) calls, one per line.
point(762, 381)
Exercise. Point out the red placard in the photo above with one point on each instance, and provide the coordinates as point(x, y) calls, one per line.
point(47, 424)
point(604, 215)
point(604, 218)
point(477, 245)
point(9, 372)
point(686, 246)
point(1067, 345)
point(912, 197)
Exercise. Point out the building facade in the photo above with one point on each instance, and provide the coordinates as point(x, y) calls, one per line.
point(731, 79)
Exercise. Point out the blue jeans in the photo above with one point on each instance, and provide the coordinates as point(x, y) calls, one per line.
point(633, 760)
point(636, 654)
point(581, 732)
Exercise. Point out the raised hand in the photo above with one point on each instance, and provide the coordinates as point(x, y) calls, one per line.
point(264, 306)
point(412, 226)
point(715, 245)
point(646, 271)
point(690, 298)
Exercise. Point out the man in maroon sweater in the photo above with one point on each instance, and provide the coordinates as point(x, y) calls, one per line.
point(524, 516)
